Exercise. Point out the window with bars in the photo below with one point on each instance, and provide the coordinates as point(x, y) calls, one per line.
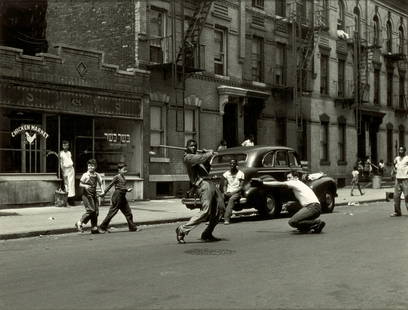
point(280, 8)
point(257, 57)
point(390, 76)
point(341, 77)
point(376, 86)
point(324, 74)
point(376, 37)
point(190, 124)
point(219, 52)
point(258, 4)
point(157, 128)
point(401, 38)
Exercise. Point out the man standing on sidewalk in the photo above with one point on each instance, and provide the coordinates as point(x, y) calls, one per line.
point(212, 203)
point(401, 181)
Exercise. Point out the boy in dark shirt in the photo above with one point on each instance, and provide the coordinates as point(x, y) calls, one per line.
point(119, 201)
point(88, 183)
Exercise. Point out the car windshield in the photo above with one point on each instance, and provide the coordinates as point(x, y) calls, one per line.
point(226, 158)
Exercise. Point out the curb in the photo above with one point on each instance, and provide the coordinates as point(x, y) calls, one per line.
point(360, 202)
point(60, 231)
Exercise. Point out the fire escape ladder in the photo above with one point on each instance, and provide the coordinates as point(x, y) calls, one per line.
point(311, 42)
point(195, 27)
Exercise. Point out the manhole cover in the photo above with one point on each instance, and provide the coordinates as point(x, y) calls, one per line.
point(210, 252)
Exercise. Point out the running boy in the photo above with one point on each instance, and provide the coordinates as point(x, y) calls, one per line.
point(119, 201)
point(88, 182)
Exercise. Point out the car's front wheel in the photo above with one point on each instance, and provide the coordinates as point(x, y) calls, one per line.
point(328, 201)
point(271, 206)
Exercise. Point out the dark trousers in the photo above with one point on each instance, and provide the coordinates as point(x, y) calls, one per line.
point(212, 208)
point(306, 217)
point(92, 210)
point(119, 202)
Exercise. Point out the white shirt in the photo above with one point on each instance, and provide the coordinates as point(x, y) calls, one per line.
point(303, 193)
point(233, 180)
point(66, 159)
point(247, 143)
point(401, 166)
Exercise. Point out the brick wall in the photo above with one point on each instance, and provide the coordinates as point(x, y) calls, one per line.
point(105, 25)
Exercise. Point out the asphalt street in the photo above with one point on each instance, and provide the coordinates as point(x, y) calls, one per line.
point(358, 262)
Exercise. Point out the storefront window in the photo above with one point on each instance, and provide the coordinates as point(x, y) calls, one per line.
point(29, 142)
point(22, 142)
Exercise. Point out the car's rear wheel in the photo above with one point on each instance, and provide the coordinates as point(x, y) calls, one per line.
point(271, 206)
point(328, 201)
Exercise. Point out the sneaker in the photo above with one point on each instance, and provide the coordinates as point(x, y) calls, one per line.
point(226, 222)
point(395, 214)
point(78, 226)
point(318, 229)
point(209, 238)
point(95, 231)
point(351, 194)
point(180, 235)
point(133, 228)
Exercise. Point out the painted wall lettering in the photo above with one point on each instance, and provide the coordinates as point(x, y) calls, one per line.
point(117, 137)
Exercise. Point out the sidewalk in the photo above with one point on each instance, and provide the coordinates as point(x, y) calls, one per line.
point(27, 222)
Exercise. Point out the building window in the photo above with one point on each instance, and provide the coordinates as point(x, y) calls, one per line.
point(157, 132)
point(325, 12)
point(219, 52)
point(341, 77)
point(324, 139)
point(376, 38)
point(324, 74)
point(376, 86)
point(390, 75)
point(342, 139)
point(401, 135)
point(190, 124)
point(340, 16)
point(401, 39)
point(156, 32)
point(402, 91)
point(281, 125)
point(257, 59)
point(258, 4)
point(357, 21)
point(280, 8)
point(389, 37)
point(389, 143)
point(280, 68)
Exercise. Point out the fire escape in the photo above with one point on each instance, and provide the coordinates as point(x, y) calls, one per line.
point(180, 52)
point(306, 30)
point(397, 55)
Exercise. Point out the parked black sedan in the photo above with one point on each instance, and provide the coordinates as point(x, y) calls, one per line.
point(268, 163)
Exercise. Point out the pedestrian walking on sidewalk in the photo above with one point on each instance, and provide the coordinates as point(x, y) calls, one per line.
point(88, 183)
point(306, 219)
point(119, 201)
point(212, 203)
point(355, 181)
point(401, 180)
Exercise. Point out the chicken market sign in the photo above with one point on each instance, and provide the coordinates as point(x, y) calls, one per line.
point(30, 132)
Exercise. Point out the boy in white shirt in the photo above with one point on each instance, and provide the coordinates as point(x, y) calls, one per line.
point(233, 181)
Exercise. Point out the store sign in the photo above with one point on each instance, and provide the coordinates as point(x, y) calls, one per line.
point(30, 132)
point(117, 137)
